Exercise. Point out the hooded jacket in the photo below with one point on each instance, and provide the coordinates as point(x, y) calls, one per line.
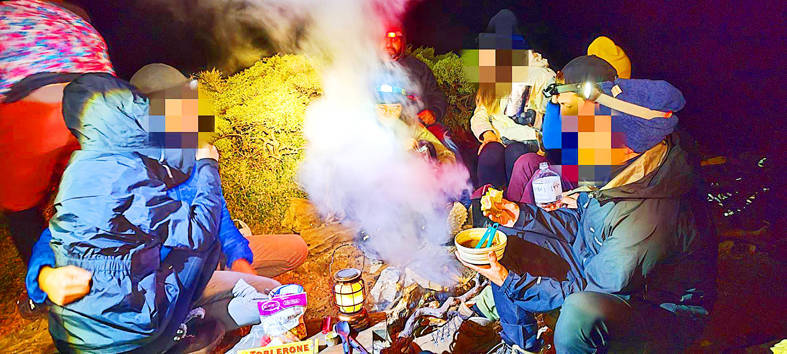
point(647, 236)
point(150, 255)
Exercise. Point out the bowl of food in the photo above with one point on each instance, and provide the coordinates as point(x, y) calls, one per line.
point(467, 240)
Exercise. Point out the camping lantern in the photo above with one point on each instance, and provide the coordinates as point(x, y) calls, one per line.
point(349, 294)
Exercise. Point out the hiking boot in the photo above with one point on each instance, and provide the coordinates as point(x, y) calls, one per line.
point(504, 348)
point(28, 309)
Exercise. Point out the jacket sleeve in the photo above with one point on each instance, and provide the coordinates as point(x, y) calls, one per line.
point(233, 244)
point(534, 293)
point(42, 256)
point(191, 225)
point(434, 99)
point(633, 248)
point(479, 122)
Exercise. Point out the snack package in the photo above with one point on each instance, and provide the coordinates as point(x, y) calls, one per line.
point(281, 319)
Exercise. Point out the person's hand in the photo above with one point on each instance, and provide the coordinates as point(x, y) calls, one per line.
point(495, 271)
point(208, 151)
point(64, 285)
point(498, 209)
point(243, 266)
point(566, 201)
point(427, 117)
point(488, 137)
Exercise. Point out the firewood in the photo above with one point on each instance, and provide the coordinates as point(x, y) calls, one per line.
point(441, 311)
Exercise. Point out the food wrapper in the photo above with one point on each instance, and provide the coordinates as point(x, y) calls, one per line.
point(496, 208)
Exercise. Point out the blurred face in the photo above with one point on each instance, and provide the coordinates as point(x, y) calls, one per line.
point(591, 143)
point(394, 44)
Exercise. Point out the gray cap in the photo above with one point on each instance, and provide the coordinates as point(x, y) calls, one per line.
point(157, 77)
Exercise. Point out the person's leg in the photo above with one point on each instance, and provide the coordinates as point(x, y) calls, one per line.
point(519, 326)
point(231, 303)
point(592, 322)
point(520, 188)
point(491, 165)
point(277, 254)
point(25, 228)
point(524, 169)
point(514, 151)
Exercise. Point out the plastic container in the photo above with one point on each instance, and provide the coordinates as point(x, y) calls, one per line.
point(466, 241)
point(547, 187)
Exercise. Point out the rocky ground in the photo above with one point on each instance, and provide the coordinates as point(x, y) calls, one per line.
point(748, 317)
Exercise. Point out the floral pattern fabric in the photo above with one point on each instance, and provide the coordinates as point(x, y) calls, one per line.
point(37, 37)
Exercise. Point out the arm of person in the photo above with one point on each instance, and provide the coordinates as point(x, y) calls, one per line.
point(479, 123)
point(42, 257)
point(62, 285)
point(625, 257)
point(193, 225)
point(434, 99)
point(234, 246)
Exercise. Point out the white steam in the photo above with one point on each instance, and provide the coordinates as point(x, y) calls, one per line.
point(354, 165)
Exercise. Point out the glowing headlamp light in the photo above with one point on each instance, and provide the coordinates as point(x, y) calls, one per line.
point(588, 90)
point(393, 34)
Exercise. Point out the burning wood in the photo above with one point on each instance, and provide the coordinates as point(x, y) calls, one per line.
point(441, 312)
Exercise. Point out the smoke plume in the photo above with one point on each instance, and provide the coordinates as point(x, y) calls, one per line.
point(355, 166)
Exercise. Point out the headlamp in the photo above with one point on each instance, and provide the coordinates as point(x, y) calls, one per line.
point(591, 91)
point(587, 90)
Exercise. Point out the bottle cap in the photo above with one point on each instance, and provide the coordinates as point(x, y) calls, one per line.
point(543, 166)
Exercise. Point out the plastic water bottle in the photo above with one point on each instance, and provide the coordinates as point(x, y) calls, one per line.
point(547, 188)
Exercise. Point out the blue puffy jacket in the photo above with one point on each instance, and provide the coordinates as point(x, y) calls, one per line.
point(124, 213)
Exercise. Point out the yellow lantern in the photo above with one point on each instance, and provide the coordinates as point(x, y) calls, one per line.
point(349, 295)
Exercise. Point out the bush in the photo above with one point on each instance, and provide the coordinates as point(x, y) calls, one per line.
point(260, 114)
point(460, 93)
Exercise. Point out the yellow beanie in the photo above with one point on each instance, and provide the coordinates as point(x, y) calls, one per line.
point(605, 48)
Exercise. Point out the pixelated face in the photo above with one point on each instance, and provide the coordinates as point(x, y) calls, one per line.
point(179, 118)
point(592, 144)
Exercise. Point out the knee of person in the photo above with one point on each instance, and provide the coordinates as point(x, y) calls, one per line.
point(300, 251)
point(530, 159)
point(574, 320)
point(492, 154)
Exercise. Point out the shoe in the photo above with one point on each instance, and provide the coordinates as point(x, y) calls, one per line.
point(28, 309)
point(504, 348)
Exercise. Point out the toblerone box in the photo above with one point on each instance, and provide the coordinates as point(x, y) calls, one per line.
point(303, 347)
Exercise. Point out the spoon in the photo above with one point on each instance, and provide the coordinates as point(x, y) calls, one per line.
point(343, 329)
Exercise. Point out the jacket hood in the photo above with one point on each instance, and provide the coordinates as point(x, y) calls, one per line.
point(107, 114)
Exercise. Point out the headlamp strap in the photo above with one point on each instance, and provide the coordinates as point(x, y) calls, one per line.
point(630, 108)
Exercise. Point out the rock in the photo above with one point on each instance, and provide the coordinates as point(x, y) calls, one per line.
point(301, 215)
point(387, 290)
point(376, 266)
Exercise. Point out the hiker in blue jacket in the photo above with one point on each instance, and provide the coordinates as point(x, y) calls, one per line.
point(638, 243)
point(130, 254)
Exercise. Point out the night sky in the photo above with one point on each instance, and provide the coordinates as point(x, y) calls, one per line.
point(724, 55)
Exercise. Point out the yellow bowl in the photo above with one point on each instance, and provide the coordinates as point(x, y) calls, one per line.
point(466, 241)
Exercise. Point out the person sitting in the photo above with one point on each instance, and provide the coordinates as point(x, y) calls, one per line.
point(432, 104)
point(130, 254)
point(637, 243)
point(265, 255)
point(35, 65)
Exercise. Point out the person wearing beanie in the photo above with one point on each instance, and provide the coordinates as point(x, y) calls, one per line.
point(638, 242)
point(606, 49)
